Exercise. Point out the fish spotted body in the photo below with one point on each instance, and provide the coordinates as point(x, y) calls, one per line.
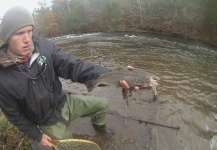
point(139, 78)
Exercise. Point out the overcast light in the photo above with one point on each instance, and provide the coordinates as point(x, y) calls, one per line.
point(29, 4)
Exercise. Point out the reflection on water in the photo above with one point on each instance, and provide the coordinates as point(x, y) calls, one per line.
point(187, 91)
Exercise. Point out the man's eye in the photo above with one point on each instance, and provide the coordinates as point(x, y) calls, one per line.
point(20, 33)
point(30, 31)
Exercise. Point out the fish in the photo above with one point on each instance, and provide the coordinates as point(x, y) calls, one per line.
point(135, 77)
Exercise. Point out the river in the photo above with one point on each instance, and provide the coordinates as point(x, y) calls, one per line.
point(187, 91)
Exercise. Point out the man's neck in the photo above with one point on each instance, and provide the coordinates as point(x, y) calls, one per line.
point(20, 59)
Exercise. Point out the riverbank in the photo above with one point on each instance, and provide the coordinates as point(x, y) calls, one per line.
point(192, 35)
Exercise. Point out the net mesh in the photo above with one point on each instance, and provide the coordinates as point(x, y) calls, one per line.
point(76, 144)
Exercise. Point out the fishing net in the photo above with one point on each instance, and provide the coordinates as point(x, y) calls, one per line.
point(75, 144)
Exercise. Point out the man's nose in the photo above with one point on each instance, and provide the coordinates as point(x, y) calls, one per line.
point(26, 37)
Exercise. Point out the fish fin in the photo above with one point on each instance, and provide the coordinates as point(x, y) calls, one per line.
point(90, 85)
point(155, 93)
point(131, 92)
point(101, 63)
point(125, 95)
point(118, 68)
point(155, 97)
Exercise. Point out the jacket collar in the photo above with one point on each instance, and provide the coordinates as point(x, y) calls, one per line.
point(5, 61)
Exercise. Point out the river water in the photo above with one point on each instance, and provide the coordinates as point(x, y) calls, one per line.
point(187, 91)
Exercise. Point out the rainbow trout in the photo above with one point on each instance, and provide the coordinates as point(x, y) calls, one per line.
point(139, 78)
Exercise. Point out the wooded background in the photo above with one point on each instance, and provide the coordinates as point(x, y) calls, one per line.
point(195, 19)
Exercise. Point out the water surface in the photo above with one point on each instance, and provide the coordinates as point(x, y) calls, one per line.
point(187, 91)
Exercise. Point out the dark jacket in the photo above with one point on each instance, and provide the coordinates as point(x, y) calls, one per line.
point(25, 101)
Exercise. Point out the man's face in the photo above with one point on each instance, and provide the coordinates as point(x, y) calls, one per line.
point(20, 41)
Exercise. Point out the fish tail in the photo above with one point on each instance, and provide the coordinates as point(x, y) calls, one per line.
point(90, 85)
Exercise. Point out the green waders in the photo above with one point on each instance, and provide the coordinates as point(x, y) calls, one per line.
point(78, 106)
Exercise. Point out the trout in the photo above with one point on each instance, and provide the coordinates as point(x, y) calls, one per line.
point(139, 78)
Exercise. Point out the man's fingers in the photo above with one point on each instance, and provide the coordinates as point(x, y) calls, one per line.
point(46, 140)
point(124, 84)
point(49, 138)
point(49, 141)
point(136, 88)
point(130, 67)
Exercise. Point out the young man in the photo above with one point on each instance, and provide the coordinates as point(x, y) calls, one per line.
point(31, 94)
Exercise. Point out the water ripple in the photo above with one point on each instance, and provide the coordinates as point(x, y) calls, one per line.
point(188, 79)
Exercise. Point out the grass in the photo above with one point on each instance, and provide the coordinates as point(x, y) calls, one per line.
point(11, 137)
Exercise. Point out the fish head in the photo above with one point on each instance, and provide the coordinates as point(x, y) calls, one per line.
point(150, 81)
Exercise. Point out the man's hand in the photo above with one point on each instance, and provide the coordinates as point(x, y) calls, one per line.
point(125, 85)
point(45, 140)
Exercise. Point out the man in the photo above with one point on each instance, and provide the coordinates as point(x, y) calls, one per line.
point(31, 94)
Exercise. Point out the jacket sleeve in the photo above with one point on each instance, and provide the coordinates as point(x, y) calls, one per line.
point(70, 67)
point(11, 109)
